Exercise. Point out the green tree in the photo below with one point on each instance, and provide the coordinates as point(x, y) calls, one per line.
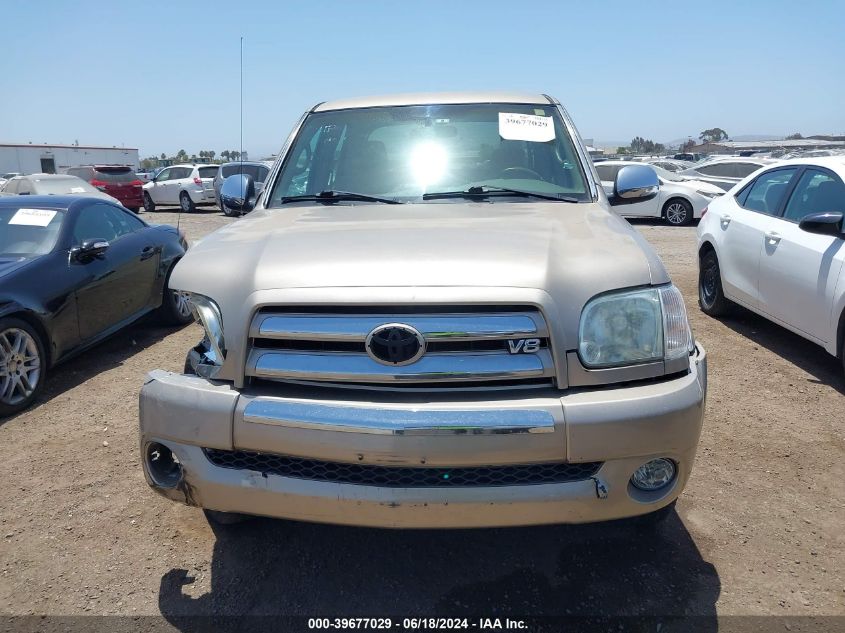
point(621, 150)
point(687, 145)
point(210, 153)
point(794, 137)
point(713, 135)
point(234, 154)
point(225, 154)
point(181, 156)
point(163, 156)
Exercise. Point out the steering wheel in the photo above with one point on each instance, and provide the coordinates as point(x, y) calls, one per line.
point(512, 172)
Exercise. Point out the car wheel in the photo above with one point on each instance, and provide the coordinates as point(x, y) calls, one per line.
point(225, 518)
point(149, 205)
point(678, 212)
point(186, 203)
point(711, 298)
point(23, 365)
point(175, 308)
point(230, 213)
point(134, 209)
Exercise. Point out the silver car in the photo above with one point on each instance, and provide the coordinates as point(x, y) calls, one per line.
point(431, 319)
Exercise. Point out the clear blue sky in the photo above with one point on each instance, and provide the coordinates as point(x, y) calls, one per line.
point(163, 75)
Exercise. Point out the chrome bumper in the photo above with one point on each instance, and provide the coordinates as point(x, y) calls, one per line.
point(622, 427)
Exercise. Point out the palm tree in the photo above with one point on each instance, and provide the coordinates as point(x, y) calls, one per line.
point(225, 154)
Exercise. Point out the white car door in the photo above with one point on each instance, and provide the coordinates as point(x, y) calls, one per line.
point(744, 220)
point(178, 179)
point(157, 187)
point(799, 270)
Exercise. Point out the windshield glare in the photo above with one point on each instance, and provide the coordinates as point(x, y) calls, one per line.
point(28, 232)
point(404, 152)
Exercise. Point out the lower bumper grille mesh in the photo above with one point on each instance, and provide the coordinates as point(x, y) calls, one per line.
point(403, 477)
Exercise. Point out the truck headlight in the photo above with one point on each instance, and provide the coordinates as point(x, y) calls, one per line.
point(207, 313)
point(631, 327)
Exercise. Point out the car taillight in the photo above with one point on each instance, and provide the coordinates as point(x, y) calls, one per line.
point(703, 211)
point(99, 184)
point(136, 183)
point(197, 181)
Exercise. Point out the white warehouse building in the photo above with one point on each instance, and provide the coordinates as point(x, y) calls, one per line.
point(30, 158)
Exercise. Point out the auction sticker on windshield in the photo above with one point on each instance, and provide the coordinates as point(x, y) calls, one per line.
point(526, 127)
point(33, 217)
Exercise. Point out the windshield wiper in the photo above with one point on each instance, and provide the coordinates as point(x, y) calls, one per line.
point(483, 191)
point(335, 196)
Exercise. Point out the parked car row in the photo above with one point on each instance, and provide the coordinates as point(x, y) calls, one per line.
point(187, 185)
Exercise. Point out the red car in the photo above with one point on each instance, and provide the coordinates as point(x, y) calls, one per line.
point(119, 181)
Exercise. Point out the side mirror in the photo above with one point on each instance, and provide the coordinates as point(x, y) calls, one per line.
point(634, 183)
point(827, 223)
point(90, 249)
point(238, 193)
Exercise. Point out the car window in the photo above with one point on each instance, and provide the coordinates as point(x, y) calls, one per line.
point(164, 174)
point(741, 170)
point(114, 174)
point(257, 172)
point(11, 186)
point(26, 232)
point(177, 173)
point(208, 172)
point(124, 222)
point(95, 221)
point(24, 186)
point(62, 186)
point(403, 152)
point(608, 172)
point(816, 192)
point(768, 190)
point(719, 170)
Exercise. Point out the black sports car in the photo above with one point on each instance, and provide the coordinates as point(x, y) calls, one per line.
point(73, 271)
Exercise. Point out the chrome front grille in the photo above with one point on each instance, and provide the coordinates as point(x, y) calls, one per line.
point(460, 346)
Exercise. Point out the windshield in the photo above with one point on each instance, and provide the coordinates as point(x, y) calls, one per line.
point(404, 152)
point(61, 186)
point(27, 232)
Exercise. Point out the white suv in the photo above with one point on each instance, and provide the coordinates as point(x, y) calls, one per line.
point(187, 185)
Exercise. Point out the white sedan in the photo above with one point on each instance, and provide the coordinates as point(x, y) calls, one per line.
point(679, 200)
point(774, 244)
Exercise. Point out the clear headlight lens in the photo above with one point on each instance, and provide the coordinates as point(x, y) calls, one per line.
point(632, 327)
point(207, 313)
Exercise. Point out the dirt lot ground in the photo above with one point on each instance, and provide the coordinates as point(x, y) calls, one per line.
point(758, 531)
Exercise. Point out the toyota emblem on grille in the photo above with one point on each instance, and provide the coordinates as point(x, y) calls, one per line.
point(395, 344)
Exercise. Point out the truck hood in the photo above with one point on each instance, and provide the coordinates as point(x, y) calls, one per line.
point(550, 246)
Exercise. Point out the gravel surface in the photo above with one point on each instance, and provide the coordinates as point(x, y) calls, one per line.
point(759, 529)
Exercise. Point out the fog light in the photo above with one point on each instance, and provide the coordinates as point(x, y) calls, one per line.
point(162, 465)
point(654, 475)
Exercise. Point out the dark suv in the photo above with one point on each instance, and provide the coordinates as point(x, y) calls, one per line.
point(119, 181)
point(256, 170)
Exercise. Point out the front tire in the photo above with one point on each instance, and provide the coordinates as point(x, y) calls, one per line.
point(229, 213)
point(175, 309)
point(678, 212)
point(23, 365)
point(711, 297)
point(149, 205)
point(134, 210)
point(185, 202)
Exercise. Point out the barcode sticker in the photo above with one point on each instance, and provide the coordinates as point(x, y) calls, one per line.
point(526, 127)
